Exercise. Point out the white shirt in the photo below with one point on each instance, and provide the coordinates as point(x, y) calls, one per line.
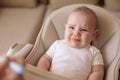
point(71, 62)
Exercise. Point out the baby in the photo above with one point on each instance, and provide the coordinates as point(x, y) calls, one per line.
point(74, 56)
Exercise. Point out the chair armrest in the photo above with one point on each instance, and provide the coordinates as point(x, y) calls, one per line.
point(21, 50)
point(113, 70)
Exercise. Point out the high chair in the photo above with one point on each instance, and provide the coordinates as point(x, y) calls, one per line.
point(108, 40)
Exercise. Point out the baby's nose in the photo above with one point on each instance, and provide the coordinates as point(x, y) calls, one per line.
point(77, 33)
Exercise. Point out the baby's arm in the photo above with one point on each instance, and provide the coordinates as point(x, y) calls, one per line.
point(44, 62)
point(97, 73)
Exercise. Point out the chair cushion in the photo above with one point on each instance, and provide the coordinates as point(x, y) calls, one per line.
point(19, 25)
point(18, 3)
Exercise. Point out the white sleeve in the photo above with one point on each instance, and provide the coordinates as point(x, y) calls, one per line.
point(97, 58)
point(51, 50)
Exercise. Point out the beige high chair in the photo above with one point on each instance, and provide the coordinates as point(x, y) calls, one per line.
point(108, 40)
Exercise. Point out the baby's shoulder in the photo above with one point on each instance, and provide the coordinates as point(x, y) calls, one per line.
point(58, 42)
point(94, 50)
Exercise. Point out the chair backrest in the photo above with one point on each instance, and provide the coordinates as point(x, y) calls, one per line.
point(108, 40)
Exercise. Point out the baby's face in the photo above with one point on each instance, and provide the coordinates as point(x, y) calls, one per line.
point(80, 30)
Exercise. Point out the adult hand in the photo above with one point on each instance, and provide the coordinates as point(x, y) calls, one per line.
point(6, 72)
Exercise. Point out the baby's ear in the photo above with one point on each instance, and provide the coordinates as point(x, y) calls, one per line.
point(96, 33)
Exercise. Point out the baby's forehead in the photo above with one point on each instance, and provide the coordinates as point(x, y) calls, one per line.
point(90, 20)
point(88, 14)
point(80, 15)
